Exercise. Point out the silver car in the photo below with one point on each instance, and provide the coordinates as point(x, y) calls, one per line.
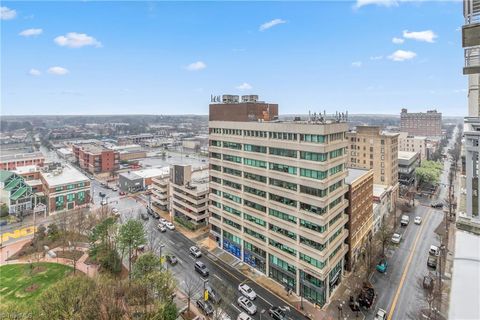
point(247, 305)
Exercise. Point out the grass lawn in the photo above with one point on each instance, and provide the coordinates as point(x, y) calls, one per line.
point(22, 285)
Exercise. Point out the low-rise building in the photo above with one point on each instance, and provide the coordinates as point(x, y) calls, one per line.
point(411, 143)
point(65, 187)
point(189, 196)
point(360, 212)
point(160, 191)
point(13, 161)
point(382, 199)
point(15, 193)
point(95, 158)
point(133, 181)
point(407, 163)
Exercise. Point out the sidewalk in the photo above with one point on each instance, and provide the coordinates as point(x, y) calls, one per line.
point(329, 311)
point(196, 235)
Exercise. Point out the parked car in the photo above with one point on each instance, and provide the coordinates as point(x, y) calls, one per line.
point(434, 250)
point(162, 220)
point(194, 251)
point(144, 216)
point(244, 316)
point(382, 266)
point(437, 205)
point(201, 268)
point(247, 291)
point(380, 315)
point(205, 306)
point(155, 216)
point(405, 220)
point(213, 295)
point(418, 220)
point(428, 283)
point(122, 193)
point(170, 225)
point(104, 202)
point(276, 313)
point(247, 305)
point(161, 228)
point(171, 259)
point(114, 189)
point(396, 238)
point(432, 262)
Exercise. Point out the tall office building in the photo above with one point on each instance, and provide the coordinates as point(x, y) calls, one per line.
point(427, 124)
point(370, 148)
point(277, 197)
point(471, 43)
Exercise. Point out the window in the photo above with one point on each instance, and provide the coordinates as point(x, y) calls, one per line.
point(232, 184)
point(284, 200)
point(215, 143)
point(314, 262)
point(254, 234)
point(283, 216)
point(312, 226)
point(282, 264)
point(58, 188)
point(232, 223)
point(337, 136)
point(216, 180)
point(336, 169)
point(254, 148)
point(255, 177)
point(231, 197)
point(282, 231)
point(335, 235)
point(283, 184)
point(334, 252)
point(314, 174)
point(216, 167)
point(283, 152)
point(313, 209)
point(254, 205)
point(283, 136)
point(335, 202)
point(81, 197)
point(215, 155)
point(253, 219)
point(70, 187)
point(232, 210)
point(233, 172)
point(231, 237)
point(336, 153)
point(254, 163)
point(254, 191)
point(313, 191)
point(335, 186)
point(216, 192)
point(312, 244)
point(317, 138)
point(228, 157)
point(283, 168)
point(232, 145)
point(216, 204)
point(313, 156)
point(282, 247)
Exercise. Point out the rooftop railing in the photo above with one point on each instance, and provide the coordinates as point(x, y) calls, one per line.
point(471, 11)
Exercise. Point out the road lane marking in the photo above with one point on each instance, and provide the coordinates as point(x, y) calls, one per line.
point(407, 267)
point(237, 308)
point(271, 305)
point(218, 277)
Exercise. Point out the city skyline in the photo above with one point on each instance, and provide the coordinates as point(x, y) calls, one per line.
point(142, 58)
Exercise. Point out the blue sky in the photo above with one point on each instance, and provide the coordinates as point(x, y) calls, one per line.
point(169, 57)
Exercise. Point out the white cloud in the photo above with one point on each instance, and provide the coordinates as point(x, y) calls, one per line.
point(31, 32)
point(357, 64)
point(270, 24)
point(402, 55)
point(59, 71)
point(34, 72)
point(385, 3)
point(398, 40)
point(376, 58)
point(7, 13)
point(77, 40)
point(244, 86)
point(427, 35)
point(196, 66)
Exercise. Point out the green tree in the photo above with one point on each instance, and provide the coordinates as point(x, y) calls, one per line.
point(167, 312)
point(130, 236)
point(72, 298)
point(53, 232)
point(429, 172)
point(146, 264)
point(3, 210)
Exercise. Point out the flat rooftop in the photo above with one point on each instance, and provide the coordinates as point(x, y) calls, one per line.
point(92, 148)
point(67, 175)
point(21, 156)
point(354, 174)
point(406, 155)
point(379, 190)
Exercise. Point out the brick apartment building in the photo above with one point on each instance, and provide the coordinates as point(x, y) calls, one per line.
point(247, 110)
point(95, 158)
point(427, 124)
point(11, 162)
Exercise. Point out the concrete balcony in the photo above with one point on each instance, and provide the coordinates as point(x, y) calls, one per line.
point(472, 60)
point(192, 215)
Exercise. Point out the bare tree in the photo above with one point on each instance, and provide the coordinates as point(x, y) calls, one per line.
point(384, 235)
point(227, 296)
point(191, 287)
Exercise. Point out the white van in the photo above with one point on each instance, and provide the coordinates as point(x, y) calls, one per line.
point(405, 220)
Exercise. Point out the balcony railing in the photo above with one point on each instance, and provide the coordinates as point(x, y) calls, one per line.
point(471, 11)
point(472, 57)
